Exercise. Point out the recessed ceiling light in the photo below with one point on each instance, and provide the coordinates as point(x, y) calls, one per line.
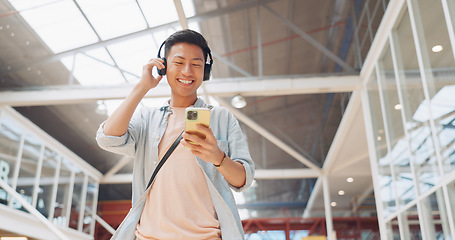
point(350, 179)
point(341, 192)
point(379, 138)
point(398, 107)
point(333, 204)
point(436, 48)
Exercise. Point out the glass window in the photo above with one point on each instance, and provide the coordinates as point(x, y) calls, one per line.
point(451, 193)
point(436, 216)
point(413, 222)
point(393, 230)
point(46, 184)
point(28, 170)
point(90, 203)
point(10, 138)
point(414, 106)
point(385, 178)
point(63, 193)
point(441, 77)
point(76, 198)
point(399, 153)
point(104, 16)
point(63, 30)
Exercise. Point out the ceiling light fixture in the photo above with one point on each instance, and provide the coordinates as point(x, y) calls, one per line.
point(350, 179)
point(101, 109)
point(398, 107)
point(333, 204)
point(238, 101)
point(341, 192)
point(379, 138)
point(436, 48)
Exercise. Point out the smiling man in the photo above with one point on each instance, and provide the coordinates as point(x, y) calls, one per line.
point(191, 196)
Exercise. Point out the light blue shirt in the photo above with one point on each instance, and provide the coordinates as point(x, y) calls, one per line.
point(145, 131)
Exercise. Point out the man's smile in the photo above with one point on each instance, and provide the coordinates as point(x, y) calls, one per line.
point(185, 81)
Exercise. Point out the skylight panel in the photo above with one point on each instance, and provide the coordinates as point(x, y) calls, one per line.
point(88, 71)
point(131, 55)
point(100, 54)
point(59, 23)
point(113, 18)
point(188, 8)
point(159, 12)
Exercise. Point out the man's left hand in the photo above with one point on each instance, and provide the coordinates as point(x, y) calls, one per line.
point(206, 149)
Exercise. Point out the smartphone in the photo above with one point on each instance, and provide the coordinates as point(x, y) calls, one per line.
point(195, 116)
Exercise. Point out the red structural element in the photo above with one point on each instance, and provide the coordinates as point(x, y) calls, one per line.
point(113, 212)
point(345, 227)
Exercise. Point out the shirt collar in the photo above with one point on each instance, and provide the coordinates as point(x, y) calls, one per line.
point(199, 103)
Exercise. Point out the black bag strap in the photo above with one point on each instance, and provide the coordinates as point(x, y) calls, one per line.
point(165, 157)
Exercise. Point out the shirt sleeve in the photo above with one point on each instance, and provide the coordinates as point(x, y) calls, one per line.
point(125, 144)
point(239, 151)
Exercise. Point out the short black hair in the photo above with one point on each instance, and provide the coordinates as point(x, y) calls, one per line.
point(187, 36)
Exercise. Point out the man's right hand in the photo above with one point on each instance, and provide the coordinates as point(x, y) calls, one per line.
point(147, 79)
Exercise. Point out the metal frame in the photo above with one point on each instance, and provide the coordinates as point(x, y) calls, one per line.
point(94, 209)
point(69, 199)
point(383, 229)
point(427, 77)
point(80, 222)
point(38, 176)
point(204, 16)
point(55, 189)
point(47, 142)
point(311, 40)
point(12, 192)
point(265, 86)
point(17, 166)
point(393, 13)
point(404, 232)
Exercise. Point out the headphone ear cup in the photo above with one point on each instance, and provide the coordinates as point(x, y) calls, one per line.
point(163, 70)
point(207, 70)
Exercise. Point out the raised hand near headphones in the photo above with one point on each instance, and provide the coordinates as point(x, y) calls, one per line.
point(147, 79)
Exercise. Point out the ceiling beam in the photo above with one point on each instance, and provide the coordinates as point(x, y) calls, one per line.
point(181, 13)
point(260, 174)
point(216, 87)
point(119, 165)
point(269, 136)
point(311, 40)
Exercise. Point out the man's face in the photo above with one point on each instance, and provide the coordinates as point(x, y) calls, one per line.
point(185, 69)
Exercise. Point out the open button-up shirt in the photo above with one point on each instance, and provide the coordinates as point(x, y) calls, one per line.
point(141, 140)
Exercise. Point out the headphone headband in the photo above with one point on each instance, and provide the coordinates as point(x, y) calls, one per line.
point(207, 66)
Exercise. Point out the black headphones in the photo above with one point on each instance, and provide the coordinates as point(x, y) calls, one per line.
point(207, 67)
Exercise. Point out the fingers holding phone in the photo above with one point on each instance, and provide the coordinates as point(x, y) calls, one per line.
point(195, 117)
point(198, 136)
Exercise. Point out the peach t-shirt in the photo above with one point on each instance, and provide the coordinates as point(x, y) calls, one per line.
point(179, 205)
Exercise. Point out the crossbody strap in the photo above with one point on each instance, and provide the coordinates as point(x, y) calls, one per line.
point(165, 157)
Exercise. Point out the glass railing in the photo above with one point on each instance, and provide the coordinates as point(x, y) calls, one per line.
point(62, 187)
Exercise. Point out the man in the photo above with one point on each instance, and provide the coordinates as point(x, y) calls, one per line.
point(190, 197)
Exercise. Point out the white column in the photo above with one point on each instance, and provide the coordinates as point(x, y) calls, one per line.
point(374, 165)
point(328, 208)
